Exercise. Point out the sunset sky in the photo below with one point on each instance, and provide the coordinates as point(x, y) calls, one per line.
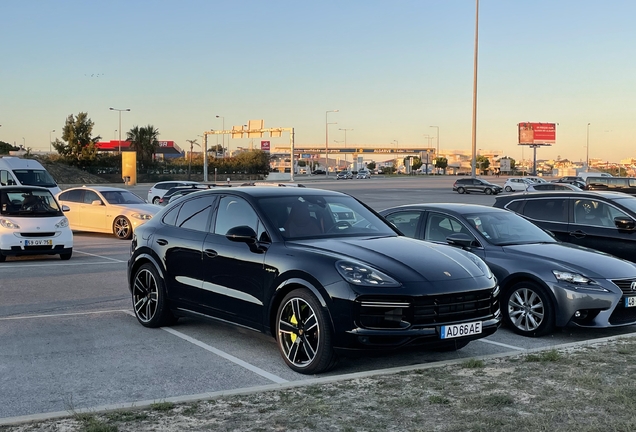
point(391, 68)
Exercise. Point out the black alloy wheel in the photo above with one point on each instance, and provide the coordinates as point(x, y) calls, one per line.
point(149, 298)
point(156, 200)
point(303, 333)
point(528, 309)
point(122, 228)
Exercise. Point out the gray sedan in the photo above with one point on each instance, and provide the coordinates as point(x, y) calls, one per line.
point(544, 283)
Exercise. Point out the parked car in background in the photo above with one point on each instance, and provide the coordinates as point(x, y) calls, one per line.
point(106, 210)
point(363, 174)
point(544, 282)
point(179, 191)
point(614, 184)
point(514, 184)
point(33, 223)
point(573, 180)
point(319, 172)
point(605, 221)
point(344, 175)
point(159, 189)
point(548, 186)
point(288, 262)
point(468, 185)
point(535, 179)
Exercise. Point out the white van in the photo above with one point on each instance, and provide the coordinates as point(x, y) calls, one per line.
point(585, 175)
point(25, 172)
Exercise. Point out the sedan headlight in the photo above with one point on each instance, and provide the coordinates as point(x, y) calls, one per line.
point(142, 216)
point(573, 278)
point(8, 223)
point(364, 275)
point(62, 224)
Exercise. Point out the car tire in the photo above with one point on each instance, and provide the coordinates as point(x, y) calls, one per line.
point(303, 333)
point(460, 190)
point(528, 309)
point(488, 191)
point(3, 258)
point(155, 200)
point(66, 256)
point(122, 228)
point(149, 298)
point(508, 189)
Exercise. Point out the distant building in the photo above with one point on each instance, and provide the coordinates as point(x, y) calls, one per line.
point(165, 150)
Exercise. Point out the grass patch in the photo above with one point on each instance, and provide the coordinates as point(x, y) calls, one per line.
point(90, 423)
point(162, 406)
point(126, 416)
point(439, 400)
point(473, 364)
point(545, 356)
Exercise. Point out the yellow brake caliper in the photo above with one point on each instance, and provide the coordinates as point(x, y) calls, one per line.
point(294, 321)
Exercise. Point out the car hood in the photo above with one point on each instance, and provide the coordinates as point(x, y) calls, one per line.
point(574, 258)
point(406, 259)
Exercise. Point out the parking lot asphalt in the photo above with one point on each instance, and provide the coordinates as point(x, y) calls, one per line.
point(69, 340)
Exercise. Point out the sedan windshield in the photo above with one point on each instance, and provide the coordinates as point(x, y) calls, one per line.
point(507, 228)
point(116, 197)
point(322, 216)
point(28, 202)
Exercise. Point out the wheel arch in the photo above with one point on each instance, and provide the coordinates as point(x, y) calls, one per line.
point(516, 278)
point(285, 288)
point(141, 259)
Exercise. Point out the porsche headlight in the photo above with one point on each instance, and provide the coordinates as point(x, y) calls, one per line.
point(8, 223)
point(364, 275)
point(482, 265)
point(142, 216)
point(62, 224)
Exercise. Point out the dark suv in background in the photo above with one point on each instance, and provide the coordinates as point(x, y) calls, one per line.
point(605, 221)
point(468, 185)
point(614, 184)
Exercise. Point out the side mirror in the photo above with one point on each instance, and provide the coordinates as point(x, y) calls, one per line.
point(241, 233)
point(460, 239)
point(624, 223)
point(96, 202)
point(66, 208)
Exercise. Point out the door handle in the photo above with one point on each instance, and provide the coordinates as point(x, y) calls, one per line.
point(211, 253)
point(162, 242)
point(577, 234)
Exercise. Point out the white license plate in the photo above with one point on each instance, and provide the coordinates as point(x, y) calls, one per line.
point(38, 242)
point(630, 301)
point(460, 330)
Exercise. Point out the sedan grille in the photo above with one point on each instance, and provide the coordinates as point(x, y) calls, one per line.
point(37, 234)
point(628, 286)
point(623, 315)
point(439, 309)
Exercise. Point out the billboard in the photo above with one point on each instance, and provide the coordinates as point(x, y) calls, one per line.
point(265, 146)
point(537, 133)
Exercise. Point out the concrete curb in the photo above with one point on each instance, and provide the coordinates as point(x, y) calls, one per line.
point(294, 384)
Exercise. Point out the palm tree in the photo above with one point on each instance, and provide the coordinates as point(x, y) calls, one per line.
point(144, 141)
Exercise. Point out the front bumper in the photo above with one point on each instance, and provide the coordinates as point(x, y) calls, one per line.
point(16, 244)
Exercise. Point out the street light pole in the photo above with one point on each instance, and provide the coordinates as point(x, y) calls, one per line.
point(437, 151)
point(327, 140)
point(120, 110)
point(50, 141)
point(587, 146)
point(345, 131)
point(397, 144)
point(223, 135)
point(474, 133)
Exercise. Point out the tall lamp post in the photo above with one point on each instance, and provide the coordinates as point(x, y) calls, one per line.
point(222, 136)
point(587, 146)
point(51, 141)
point(327, 140)
point(345, 131)
point(119, 110)
point(437, 135)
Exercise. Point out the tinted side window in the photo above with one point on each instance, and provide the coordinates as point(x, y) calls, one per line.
point(553, 210)
point(439, 226)
point(234, 211)
point(406, 221)
point(515, 206)
point(74, 195)
point(194, 214)
point(170, 218)
point(90, 196)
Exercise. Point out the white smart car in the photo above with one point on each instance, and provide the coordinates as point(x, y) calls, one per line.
point(33, 223)
point(106, 210)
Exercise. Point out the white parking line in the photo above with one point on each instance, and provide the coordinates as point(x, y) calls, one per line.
point(98, 256)
point(502, 344)
point(227, 356)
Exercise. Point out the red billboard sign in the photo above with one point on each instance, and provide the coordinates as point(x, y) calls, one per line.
point(537, 133)
point(265, 145)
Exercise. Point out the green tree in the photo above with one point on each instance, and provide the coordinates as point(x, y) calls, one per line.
point(144, 141)
point(78, 145)
point(371, 166)
point(483, 163)
point(417, 163)
point(441, 163)
point(5, 147)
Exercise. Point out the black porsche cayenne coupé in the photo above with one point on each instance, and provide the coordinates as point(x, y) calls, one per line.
point(318, 270)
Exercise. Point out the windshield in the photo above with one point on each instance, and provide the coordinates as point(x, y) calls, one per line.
point(121, 197)
point(303, 216)
point(34, 177)
point(507, 228)
point(28, 203)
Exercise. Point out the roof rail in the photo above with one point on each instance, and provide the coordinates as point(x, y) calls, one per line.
point(273, 184)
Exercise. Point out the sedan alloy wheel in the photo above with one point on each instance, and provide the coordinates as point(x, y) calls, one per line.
point(529, 310)
point(122, 228)
point(148, 297)
point(304, 338)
